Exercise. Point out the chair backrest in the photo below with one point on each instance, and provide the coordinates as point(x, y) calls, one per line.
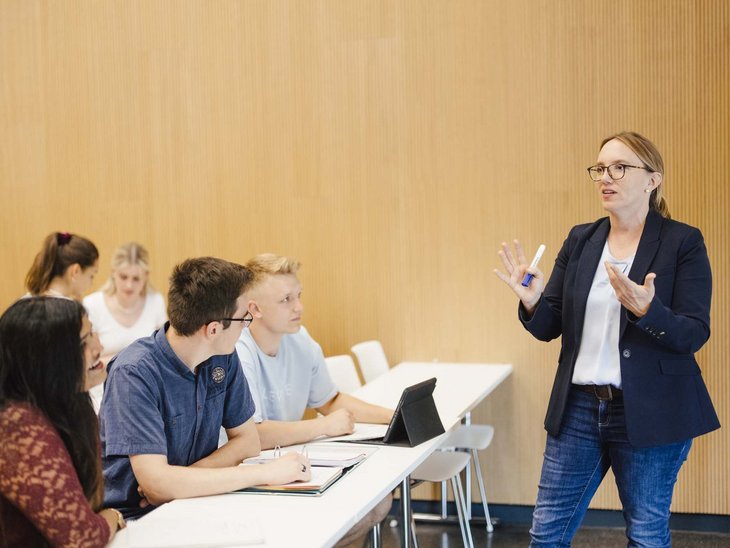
point(343, 373)
point(372, 360)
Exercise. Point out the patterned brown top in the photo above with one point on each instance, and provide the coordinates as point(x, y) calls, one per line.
point(41, 499)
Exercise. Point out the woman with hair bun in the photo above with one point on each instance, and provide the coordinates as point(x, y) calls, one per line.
point(64, 267)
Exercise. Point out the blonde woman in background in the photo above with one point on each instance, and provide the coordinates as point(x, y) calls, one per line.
point(126, 308)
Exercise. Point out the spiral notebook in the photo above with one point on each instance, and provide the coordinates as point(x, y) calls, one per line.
point(322, 478)
point(319, 454)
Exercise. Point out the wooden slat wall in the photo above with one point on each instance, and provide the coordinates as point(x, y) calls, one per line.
point(390, 146)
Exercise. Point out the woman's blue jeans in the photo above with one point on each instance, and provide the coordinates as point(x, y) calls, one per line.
point(593, 439)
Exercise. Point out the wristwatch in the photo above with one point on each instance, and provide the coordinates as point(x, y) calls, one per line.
point(121, 524)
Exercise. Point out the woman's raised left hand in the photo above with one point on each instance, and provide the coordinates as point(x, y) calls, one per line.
point(634, 297)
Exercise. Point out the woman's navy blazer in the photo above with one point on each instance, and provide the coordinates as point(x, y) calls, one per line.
point(665, 398)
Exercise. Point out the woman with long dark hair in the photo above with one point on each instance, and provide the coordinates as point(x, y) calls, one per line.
point(51, 487)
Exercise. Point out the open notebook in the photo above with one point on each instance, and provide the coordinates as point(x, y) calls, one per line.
point(363, 431)
point(322, 478)
point(319, 454)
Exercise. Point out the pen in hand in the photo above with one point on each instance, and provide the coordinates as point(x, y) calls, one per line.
point(536, 259)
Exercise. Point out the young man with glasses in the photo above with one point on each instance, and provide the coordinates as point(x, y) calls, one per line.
point(286, 371)
point(167, 396)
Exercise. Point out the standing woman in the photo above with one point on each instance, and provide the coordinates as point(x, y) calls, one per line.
point(630, 296)
point(64, 267)
point(126, 308)
point(51, 487)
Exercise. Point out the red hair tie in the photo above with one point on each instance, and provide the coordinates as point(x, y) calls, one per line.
point(63, 238)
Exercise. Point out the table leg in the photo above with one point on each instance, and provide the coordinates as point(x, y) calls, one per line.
point(444, 501)
point(405, 500)
point(375, 538)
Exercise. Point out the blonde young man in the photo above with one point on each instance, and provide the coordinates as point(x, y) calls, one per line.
point(286, 371)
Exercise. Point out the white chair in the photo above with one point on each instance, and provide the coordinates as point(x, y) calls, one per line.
point(372, 360)
point(343, 373)
point(469, 437)
point(473, 437)
point(439, 467)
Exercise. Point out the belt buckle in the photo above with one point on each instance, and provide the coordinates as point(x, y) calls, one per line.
point(598, 394)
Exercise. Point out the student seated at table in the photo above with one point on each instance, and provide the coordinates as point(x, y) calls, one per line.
point(64, 267)
point(50, 474)
point(126, 308)
point(286, 371)
point(168, 394)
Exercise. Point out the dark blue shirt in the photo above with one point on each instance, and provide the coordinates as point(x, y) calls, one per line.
point(154, 404)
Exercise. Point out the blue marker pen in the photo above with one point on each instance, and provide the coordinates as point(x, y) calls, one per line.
point(536, 259)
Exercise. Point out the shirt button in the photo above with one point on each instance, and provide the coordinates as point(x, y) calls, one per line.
point(626, 353)
point(200, 407)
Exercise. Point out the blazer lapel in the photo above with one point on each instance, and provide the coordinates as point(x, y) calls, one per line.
point(648, 247)
point(587, 263)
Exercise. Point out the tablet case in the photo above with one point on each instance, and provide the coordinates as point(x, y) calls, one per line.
point(416, 418)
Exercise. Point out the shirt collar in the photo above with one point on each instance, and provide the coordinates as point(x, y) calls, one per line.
point(164, 347)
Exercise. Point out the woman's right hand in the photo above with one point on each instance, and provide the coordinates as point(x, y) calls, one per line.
point(517, 266)
point(114, 519)
point(291, 467)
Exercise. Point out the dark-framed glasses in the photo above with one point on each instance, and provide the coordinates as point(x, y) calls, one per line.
point(615, 171)
point(247, 319)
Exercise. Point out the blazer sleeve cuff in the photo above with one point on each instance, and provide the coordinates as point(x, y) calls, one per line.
point(653, 323)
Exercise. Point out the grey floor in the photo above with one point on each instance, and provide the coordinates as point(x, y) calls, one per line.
point(508, 536)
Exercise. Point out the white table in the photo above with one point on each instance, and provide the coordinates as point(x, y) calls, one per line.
point(303, 522)
point(460, 387)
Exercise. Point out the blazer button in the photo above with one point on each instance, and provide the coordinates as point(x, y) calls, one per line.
point(626, 353)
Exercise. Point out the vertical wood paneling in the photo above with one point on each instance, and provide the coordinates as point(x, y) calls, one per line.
point(389, 145)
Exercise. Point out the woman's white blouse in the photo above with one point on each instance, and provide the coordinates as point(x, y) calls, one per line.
point(598, 359)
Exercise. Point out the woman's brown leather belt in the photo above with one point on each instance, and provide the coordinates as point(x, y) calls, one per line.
point(604, 392)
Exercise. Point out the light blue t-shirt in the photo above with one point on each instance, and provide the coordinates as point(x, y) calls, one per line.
point(283, 386)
